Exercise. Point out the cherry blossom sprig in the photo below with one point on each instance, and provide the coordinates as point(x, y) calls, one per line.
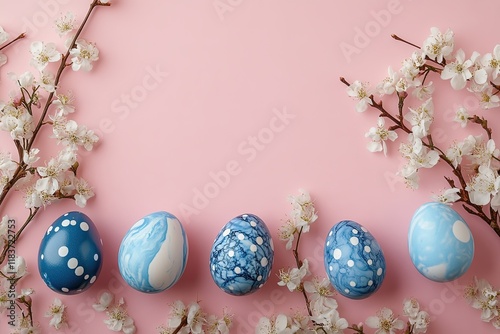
point(322, 315)
point(321, 309)
point(192, 319)
point(481, 295)
point(474, 162)
point(27, 113)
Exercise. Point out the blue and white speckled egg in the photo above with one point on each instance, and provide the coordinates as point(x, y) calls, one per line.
point(354, 261)
point(154, 252)
point(440, 242)
point(70, 254)
point(242, 255)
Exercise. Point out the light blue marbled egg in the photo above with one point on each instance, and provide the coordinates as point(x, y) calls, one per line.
point(154, 252)
point(354, 261)
point(242, 255)
point(70, 254)
point(440, 242)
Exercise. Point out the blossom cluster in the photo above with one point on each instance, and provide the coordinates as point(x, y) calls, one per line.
point(322, 309)
point(192, 319)
point(22, 116)
point(474, 161)
point(482, 296)
point(303, 214)
point(118, 319)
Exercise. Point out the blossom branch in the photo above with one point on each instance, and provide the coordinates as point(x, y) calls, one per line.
point(28, 99)
point(427, 141)
point(21, 36)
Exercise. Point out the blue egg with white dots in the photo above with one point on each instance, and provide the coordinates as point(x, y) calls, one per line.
point(70, 254)
point(242, 255)
point(354, 261)
point(440, 242)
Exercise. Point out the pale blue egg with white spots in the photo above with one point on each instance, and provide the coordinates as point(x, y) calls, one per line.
point(70, 254)
point(440, 242)
point(242, 255)
point(354, 261)
point(153, 253)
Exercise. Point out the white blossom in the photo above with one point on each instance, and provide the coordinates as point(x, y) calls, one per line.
point(410, 68)
point(177, 311)
point(385, 322)
point(57, 314)
point(439, 46)
point(483, 186)
point(457, 151)
point(105, 300)
point(360, 92)
point(83, 192)
point(63, 103)
point(424, 92)
point(279, 325)
point(379, 135)
point(488, 99)
point(118, 319)
point(388, 85)
point(43, 54)
point(320, 293)
point(458, 71)
point(448, 196)
point(483, 153)
point(195, 318)
point(421, 118)
point(491, 63)
point(4, 36)
point(303, 211)
point(217, 325)
point(331, 321)
point(292, 278)
point(83, 55)
point(65, 23)
point(47, 81)
point(479, 73)
point(287, 232)
point(462, 116)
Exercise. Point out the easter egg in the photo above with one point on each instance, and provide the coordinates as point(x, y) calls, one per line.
point(440, 242)
point(242, 255)
point(354, 261)
point(153, 253)
point(70, 254)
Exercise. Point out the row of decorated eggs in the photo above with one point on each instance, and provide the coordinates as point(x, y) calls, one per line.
point(153, 253)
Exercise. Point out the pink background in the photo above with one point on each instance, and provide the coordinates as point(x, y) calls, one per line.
point(220, 77)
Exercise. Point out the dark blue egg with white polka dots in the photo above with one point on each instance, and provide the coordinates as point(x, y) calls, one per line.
point(242, 255)
point(70, 254)
point(354, 261)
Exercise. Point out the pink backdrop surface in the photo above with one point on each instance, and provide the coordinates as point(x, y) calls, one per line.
point(180, 93)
